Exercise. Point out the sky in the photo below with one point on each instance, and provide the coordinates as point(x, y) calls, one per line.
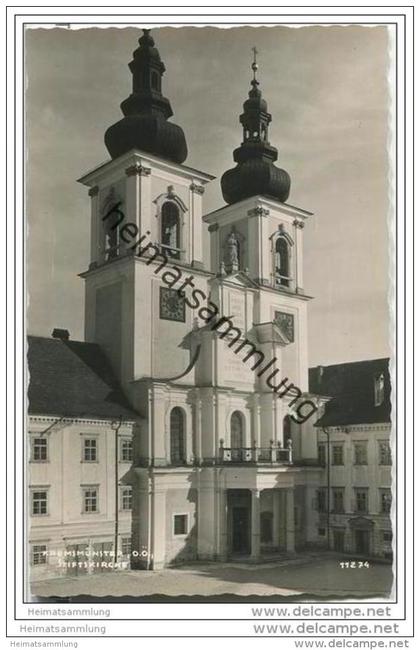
point(327, 92)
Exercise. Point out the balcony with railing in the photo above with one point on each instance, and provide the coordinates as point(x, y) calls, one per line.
point(272, 455)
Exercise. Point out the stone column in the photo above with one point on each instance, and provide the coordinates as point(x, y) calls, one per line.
point(139, 202)
point(207, 515)
point(255, 525)
point(259, 261)
point(132, 196)
point(256, 416)
point(189, 432)
point(298, 270)
point(196, 245)
point(267, 419)
point(276, 518)
point(222, 524)
point(141, 524)
point(145, 206)
point(95, 253)
point(209, 449)
point(159, 528)
point(216, 255)
point(197, 431)
point(160, 452)
point(290, 520)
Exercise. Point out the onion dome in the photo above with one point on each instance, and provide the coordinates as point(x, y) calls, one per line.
point(255, 172)
point(146, 111)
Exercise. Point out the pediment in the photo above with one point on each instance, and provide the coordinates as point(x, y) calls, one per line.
point(361, 523)
point(239, 279)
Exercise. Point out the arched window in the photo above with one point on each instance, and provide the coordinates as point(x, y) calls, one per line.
point(236, 435)
point(379, 389)
point(177, 436)
point(282, 262)
point(170, 235)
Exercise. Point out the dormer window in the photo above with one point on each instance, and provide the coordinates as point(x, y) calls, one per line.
point(379, 389)
point(171, 229)
point(282, 262)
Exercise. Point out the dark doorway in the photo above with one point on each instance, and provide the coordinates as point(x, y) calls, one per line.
point(240, 530)
point(362, 541)
point(338, 540)
point(239, 522)
point(266, 528)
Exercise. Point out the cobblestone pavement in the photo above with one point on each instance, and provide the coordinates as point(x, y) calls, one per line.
point(313, 576)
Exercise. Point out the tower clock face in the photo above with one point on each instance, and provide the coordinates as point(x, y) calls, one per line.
point(172, 305)
point(286, 323)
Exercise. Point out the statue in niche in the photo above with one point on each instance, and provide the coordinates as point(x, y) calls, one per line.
point(232, 251)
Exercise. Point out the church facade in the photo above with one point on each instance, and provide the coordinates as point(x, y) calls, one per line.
point(217, 468)
point(212, 361)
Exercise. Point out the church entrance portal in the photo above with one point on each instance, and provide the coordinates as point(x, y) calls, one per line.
point(239, 522)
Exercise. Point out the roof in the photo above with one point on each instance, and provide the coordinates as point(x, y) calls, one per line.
point(73, 379)
point(137, 154)
point(351, 386)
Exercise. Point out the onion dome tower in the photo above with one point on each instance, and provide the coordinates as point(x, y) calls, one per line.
point(255, 172)
point(146, 111)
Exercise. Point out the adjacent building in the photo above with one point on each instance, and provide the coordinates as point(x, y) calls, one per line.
point(79, 448)
point(354, 497)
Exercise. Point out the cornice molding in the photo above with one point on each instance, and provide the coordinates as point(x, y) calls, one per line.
point(258, 211)
point(197, 189)
point(138, 170)
point(70, 420)
point(354, 428)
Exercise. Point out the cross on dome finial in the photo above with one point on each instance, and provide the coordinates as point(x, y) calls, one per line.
point(255, 172)
point(254, 66)
point(146, 111)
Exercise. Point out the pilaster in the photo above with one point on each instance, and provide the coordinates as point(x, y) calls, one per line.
point(290, 520)
point(276, 518)
point(255, 525)
point(222, 524)
point(159, 527)
point(196, 226)
point(94, 228)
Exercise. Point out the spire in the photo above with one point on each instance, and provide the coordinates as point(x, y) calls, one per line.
point(255, 172)
point(146, 111)
point(254, 67)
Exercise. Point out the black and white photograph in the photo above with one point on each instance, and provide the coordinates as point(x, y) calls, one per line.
point(212, 407)
point(209, 343)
